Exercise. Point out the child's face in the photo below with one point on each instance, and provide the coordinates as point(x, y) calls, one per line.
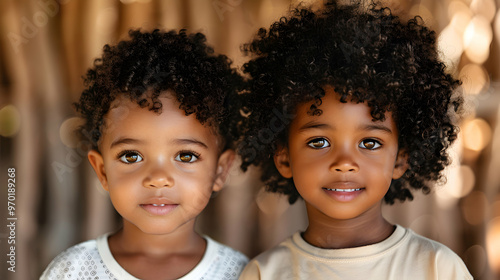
point(342, 162)
point(159, 169)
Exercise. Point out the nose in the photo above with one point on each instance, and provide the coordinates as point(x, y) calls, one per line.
point(344, 162)
point(346, 168)
point(158, 177)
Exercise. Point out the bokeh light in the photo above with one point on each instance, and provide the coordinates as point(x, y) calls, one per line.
point(450, 46)
point(465, 185)
point(67, 131)
point(496, 25)
point(475, 208)
point(460, 21)
point(485, 8)
point(476, 259)
point(447, 195)
point(477, 39)
point(468, 180)
point(475, 79)
point(458, 7)
point(493, 243)
point(10, 121)
point(476, 134)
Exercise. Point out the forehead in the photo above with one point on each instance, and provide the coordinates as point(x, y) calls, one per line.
point(127, 118)
point(335, 112)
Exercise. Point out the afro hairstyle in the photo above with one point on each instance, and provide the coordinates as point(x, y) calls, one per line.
point(367, 54)
point(157, 61)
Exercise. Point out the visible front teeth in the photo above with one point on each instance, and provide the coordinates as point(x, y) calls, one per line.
point(343, 190)
point(158, 204)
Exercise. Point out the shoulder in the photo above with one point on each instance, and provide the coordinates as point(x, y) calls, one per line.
point(74, 260)
point(427, 246)
point(442, 260)
point(279, 260)
point(91, 258)
point(220, 262)
point(227, 254)
point(286, 249)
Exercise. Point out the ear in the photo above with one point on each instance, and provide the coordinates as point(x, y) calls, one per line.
point(97, 162)
point(223, 166)
point(401, 165)
point(282, 162)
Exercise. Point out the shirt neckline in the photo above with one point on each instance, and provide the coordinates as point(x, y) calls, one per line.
point(119, 272)
point(351, 253)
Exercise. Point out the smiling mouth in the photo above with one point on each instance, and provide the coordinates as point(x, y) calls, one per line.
point(343, 190)
point(344, 194)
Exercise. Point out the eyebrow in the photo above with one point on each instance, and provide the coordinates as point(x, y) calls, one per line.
point(380, 127)
point(124, 140)
point(314, 124)
point(190, 141)
point(368, 127)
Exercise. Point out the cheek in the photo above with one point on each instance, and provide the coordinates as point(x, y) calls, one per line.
point(124, 180)
point(198, 202)
point(196, 187)
point(123, 201)
point(380, 169)
point(195, 200)
point(197, 175)
point(309, 169)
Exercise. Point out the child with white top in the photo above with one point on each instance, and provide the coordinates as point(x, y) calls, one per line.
point(160, 112)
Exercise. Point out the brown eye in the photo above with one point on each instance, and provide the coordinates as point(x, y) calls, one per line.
point(369, 144)
point(318, 143)
point(131, 157)
point(186, 157)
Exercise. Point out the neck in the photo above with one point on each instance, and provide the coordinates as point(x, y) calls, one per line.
point(366, 229)
point(130, 239)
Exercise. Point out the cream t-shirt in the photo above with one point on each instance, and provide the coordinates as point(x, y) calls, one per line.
point(403, 255)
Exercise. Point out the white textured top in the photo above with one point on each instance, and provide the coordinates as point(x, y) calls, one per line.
point(403, 255)
point(93, 260)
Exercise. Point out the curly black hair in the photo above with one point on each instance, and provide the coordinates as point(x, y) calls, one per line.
point(153, 62)
point(367, 54)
